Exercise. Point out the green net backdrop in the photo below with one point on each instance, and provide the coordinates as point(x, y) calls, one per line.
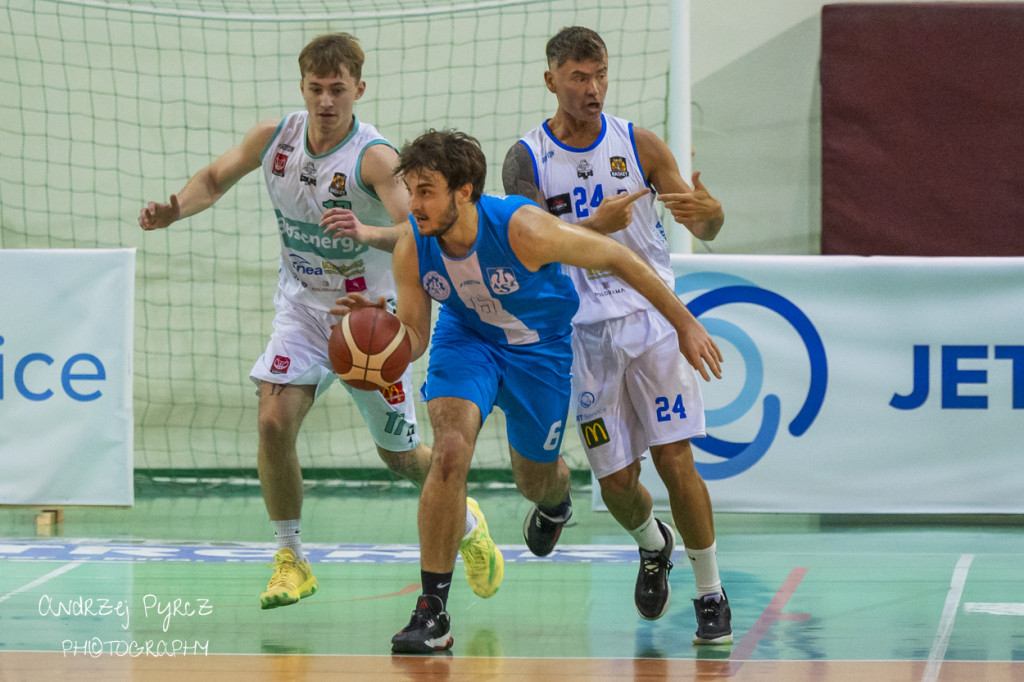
point(107, 105)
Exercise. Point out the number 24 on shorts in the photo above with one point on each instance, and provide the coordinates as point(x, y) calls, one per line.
point(665, 410)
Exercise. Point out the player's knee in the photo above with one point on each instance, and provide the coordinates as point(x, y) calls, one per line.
point(676, 456)
point(450, 457)
point(411, 465)
point(275, 428)
point(621, 485)
point(450, 442)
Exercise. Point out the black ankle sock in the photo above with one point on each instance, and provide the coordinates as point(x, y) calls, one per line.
point(559, 510)
point(436, 584)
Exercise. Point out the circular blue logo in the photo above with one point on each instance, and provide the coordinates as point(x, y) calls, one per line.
point(724, 289)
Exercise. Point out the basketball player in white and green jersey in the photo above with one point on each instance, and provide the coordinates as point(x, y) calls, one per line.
point(633, 389)
point(331, 179)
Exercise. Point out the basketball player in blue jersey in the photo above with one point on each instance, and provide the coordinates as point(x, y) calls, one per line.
point(336, 198)
point(502, 339)
point(631, 388)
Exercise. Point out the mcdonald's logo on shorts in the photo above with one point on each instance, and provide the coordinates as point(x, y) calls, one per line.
point(594, 433)
point(393, 394)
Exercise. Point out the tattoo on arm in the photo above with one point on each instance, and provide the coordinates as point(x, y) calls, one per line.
point(517, 174)
point(278, 389)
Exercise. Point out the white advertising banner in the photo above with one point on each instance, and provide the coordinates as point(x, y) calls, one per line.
point(66, 334)
point(860, 385)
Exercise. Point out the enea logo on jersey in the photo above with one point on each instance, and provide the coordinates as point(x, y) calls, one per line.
point(303, 266)
point(722, 290)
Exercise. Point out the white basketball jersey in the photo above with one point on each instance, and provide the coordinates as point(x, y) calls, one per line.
point(317, 268)
point(573, 182)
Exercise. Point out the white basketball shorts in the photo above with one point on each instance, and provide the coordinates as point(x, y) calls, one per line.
point(297, 354)
point(632, 388)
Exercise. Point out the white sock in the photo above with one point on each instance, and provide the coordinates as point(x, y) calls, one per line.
point(288, 535)
point(648, 535)
point(705, 569)
point(471, 523)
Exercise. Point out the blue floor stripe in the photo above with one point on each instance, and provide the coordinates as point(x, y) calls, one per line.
point(105, 550)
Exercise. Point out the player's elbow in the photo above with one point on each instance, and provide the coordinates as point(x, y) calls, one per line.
point(707, 230)
point(621, 261)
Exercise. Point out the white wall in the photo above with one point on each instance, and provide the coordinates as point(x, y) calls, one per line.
point(757, 121)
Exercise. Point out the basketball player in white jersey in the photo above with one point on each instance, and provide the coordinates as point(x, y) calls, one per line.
point(331, 179)
point(632, 389)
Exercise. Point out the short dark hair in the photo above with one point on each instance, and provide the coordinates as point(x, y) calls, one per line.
point(576, 43)
point(322, 56)
point(454, 155)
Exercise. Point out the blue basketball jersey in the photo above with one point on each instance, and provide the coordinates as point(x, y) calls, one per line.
point(489, 290)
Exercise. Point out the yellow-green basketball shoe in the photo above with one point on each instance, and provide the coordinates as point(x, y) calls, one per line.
point(485, 567)
point(292, 580)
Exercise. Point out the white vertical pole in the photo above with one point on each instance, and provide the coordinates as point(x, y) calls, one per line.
point(679, 130)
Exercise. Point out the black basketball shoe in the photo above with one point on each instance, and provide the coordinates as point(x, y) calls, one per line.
point(541, 531)
point(714, 619)
point(428, 630)
point(652, 586)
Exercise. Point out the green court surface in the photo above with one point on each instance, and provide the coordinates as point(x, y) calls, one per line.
point(183, 572)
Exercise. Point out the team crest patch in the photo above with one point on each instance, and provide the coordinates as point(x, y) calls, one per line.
point(280, 364)
point(559, 205)
point(281, 158)
point(618, 167)
point(594, 433)
point(436, 286)
point(337, 187)
point(584, 169)
point(280, 161)
point(502, 281)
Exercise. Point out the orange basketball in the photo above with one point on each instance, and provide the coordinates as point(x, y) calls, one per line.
point(369, 349)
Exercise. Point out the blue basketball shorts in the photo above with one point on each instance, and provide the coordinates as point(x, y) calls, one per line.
point(531, 384)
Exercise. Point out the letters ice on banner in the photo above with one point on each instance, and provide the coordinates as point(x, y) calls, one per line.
point(66, 425)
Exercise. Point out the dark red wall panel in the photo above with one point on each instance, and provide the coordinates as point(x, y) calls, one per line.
point(923, 129)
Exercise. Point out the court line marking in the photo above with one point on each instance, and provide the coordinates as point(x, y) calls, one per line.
point(771, 615)
point(953, 597)
point(42, 579)
point(1004, 608)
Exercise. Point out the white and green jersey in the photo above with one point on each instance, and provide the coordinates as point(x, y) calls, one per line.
point(317, 268)
point(573, 182)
